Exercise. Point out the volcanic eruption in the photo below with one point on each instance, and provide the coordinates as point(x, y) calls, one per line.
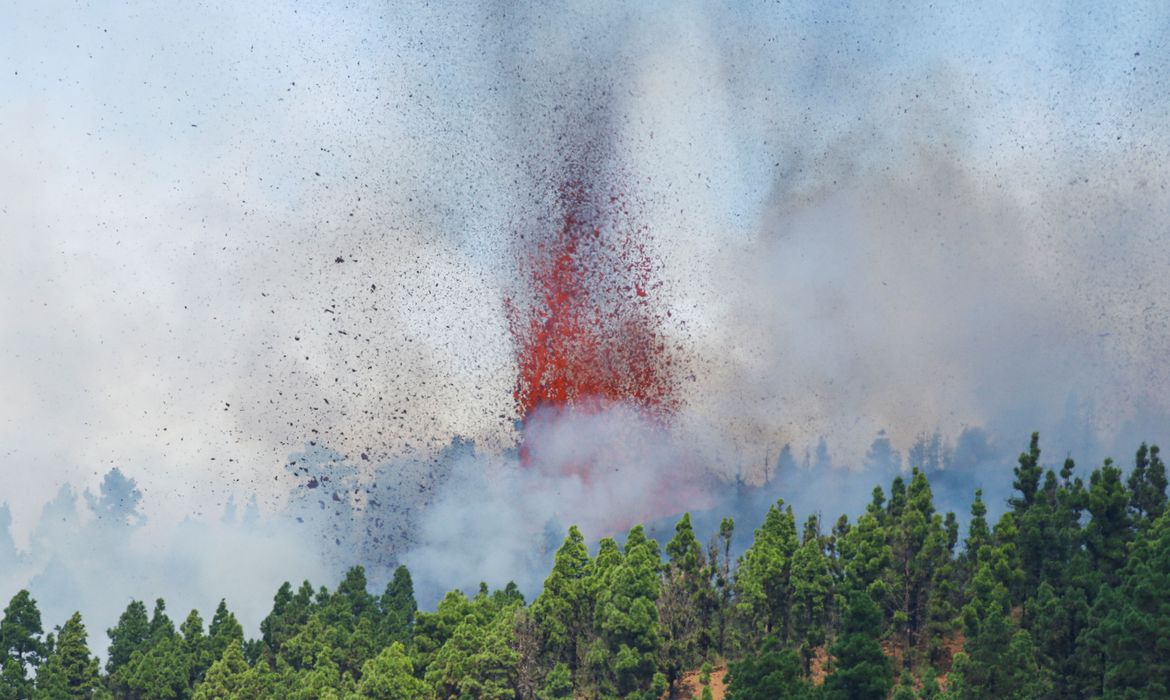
point(588, 331)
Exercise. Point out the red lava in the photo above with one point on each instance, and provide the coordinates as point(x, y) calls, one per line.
point(589, 335)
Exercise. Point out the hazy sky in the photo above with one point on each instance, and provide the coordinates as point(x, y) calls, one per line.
point(869, 217)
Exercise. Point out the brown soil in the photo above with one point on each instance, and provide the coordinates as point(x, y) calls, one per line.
point(894, 651)
point(689, 686)
point(819, 668)
point(952, 645)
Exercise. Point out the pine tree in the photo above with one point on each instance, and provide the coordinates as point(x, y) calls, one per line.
point(860, 670)
point(196, 647)
point(70, 672)
point(162, 672)
point(721, 550)
point(764, 579)
point(999, 659)
point(1109, 530)
point(21, 647)
point(999, 662)
point(350, 602)
point(433, 629)
point(685, 604)
point(225, 677)
point(477, 660)
point(1028, 474)
point(564, 609)
point(978, 533)
point(558, 684)
point(812, 593)
point(224, 631)
point(161, 626)
point(867, 561)
point(398, 608)
point(1147, 485)
point(390, 676)
point(945, 598)
point(918, 542)
point(1055, 620)
point(290, 611)
point(131, 634)
point(771, 674)
point(1127, 642)
point(626, 620)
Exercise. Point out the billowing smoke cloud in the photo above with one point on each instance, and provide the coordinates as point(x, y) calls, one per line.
point(603, 470)
point(927, 302)
point(97, 553)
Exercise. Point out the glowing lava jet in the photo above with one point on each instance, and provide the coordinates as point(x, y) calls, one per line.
point(588, 335)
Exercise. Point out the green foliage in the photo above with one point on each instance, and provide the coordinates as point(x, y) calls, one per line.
point(905, 688)
point(773, 673)
point(558, 684)
point(1127, 644)
point(867, 561)
point(812, 593)
point(1055, 620)
point(162, 672)
point(390, 676)
point(398, 608)
point(1109, 530)
point(1147, 485)
point(15, 683)
point(230, 678)
point(196, 647)
point(764, 579)
point(161, 626)
point(1028, 475)
point(224, 631)
point(860, 670)
point(564, 609)
point(21, 647)
point(289, 612)
point(432, 630)
point(130, 635)
point(687, 604)
point(1000, 662)
point(70, 672)
point(477, 660)
point(625, 655)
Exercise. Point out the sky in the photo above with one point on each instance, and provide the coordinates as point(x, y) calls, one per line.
point(232, 228)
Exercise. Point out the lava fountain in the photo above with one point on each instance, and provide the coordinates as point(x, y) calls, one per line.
point(589, 332)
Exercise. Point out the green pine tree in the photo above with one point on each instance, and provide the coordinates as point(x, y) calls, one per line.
point(21, 646)
point(860, 670)
point(686, 604)
point(764, 579)
point(131, 634)
point(398, 608)
point(773, 673)
point(70, 672)
point(564, 609)
point(390, 676)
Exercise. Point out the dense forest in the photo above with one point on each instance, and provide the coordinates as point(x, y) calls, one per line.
point(1066, 596)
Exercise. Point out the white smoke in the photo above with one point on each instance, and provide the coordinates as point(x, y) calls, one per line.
point(98, 555)
point(498, 518)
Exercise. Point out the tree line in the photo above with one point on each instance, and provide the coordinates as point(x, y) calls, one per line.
point(1066, 595)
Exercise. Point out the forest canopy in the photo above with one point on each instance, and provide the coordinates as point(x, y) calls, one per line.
point(1064, 596)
